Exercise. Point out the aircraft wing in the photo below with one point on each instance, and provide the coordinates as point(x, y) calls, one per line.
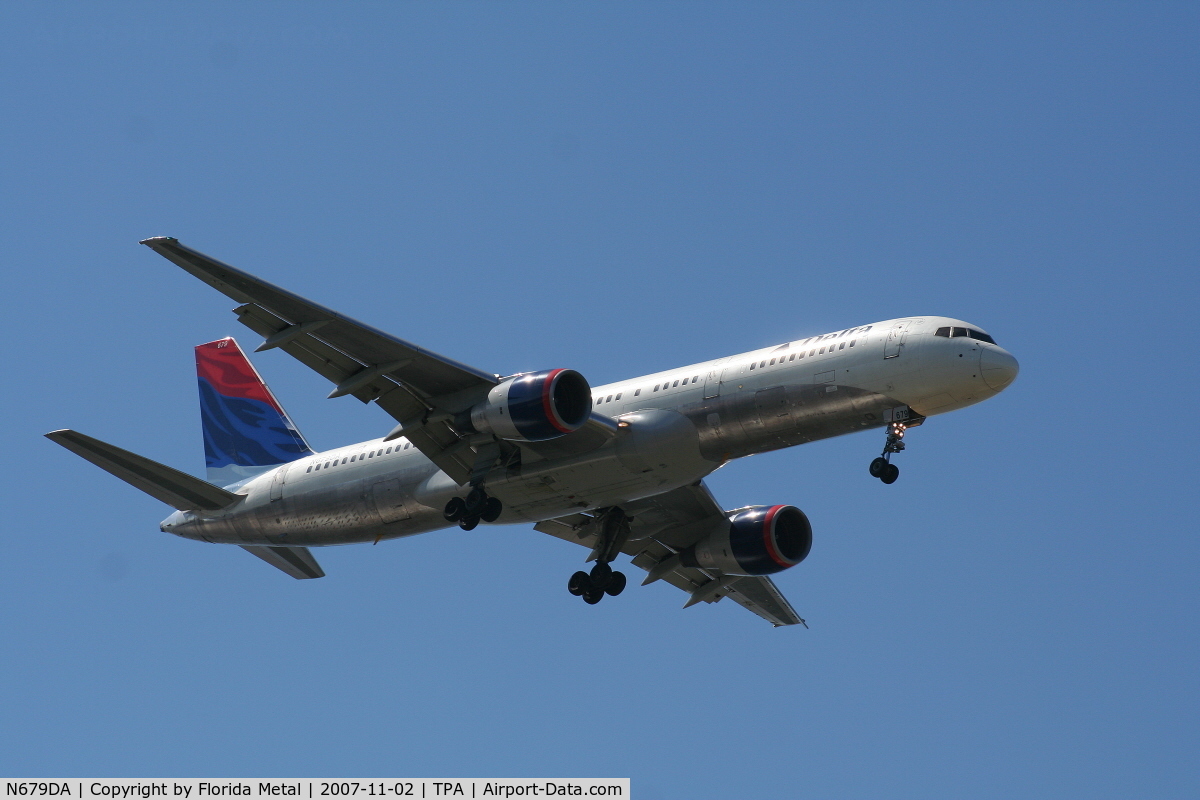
point(420, 389)
point(663, 525)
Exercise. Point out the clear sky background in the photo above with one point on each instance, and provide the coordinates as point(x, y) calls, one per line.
point(617, 188)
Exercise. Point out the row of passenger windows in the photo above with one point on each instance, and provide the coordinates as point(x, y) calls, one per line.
point(794, 356)
point(684, 381)
point(358, 457)
point(657, 387)
point(970, 333)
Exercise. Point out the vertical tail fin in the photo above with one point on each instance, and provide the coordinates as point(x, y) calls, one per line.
point(246, 431)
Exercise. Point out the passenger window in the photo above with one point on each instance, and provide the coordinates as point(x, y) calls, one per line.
point(676, 383)
point(656, 387)
point(842, 346)
point(752, 366)
point(636, 393)
point(618, 395)
point(822, 351)
point(852, 341)
point(793, 357)
point(326, 465)
point(389, 450)
point(942, 332)
point(812, 352)
point(801, 354)
point(309, 469)
point(608, 399)
point(772, 362)
point(694, 379)
point(406, 445)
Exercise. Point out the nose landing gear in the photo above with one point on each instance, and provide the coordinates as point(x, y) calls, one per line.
point(899, 420)
point(602, 580)
point(476, 507)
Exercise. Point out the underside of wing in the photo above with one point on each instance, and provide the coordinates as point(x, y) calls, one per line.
point(661, 528)
point(420, 389)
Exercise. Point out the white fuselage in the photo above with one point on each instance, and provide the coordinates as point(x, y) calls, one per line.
point(677, 426)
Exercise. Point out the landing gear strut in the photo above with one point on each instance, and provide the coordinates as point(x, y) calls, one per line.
point(899, 420)
point(476, 507)
point(602, 580)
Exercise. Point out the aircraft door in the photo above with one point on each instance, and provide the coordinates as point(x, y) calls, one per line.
point(895, 339)
point(277, 483)
point(389, 501)
point(712, 382)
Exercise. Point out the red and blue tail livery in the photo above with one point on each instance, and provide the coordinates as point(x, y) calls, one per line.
point(246, 431)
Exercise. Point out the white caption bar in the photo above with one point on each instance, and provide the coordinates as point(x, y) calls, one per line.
point(313, 788)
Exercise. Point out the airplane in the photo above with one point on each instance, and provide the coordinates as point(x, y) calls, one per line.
point(618, 469)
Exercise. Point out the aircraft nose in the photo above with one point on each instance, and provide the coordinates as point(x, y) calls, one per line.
point(998, 367)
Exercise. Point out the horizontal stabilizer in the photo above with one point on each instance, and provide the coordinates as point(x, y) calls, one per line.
point(178, 489)
point(295, 561)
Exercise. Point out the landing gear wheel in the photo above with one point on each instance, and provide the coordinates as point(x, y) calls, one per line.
point(615, 585)
point(476, 502)
point(601, 575)
point(491, 510)
point(877, 467)
point(890, 474)
point(579, 583)
point(593, 596)
point(468, 523)
point(454, 509)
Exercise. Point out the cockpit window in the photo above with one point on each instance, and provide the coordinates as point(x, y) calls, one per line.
point(970, 333)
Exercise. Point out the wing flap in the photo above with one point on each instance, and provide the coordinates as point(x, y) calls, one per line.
point(177, 489)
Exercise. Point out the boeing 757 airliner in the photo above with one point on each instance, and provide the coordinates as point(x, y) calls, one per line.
point(616, 468)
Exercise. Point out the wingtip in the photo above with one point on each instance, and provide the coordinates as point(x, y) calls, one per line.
point(153, 240)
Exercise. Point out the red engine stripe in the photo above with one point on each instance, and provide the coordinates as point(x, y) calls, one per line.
point(548, 404)
point(769, 537)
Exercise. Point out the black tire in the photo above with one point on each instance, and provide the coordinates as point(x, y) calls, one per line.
point(890, 475)
point(579, 583)
point(492, 510)
point(454, 509)
point(877, 468)
point(601, 575)
point(615, 585)
point(468, 523)
point(593, 596)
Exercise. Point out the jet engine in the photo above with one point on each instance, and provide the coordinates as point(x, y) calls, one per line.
point(535, 406)
point(759, 540)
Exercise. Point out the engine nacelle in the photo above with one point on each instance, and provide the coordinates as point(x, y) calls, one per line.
point(535, 406)
point(759, 540)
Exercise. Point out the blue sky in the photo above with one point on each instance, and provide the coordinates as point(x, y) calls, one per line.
point(617, 188)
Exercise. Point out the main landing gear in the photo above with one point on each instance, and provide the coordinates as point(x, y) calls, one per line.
point(602, 580)
point(476, 507)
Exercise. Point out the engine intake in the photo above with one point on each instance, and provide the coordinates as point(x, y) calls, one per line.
point(759, 540)
point(535, 406)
